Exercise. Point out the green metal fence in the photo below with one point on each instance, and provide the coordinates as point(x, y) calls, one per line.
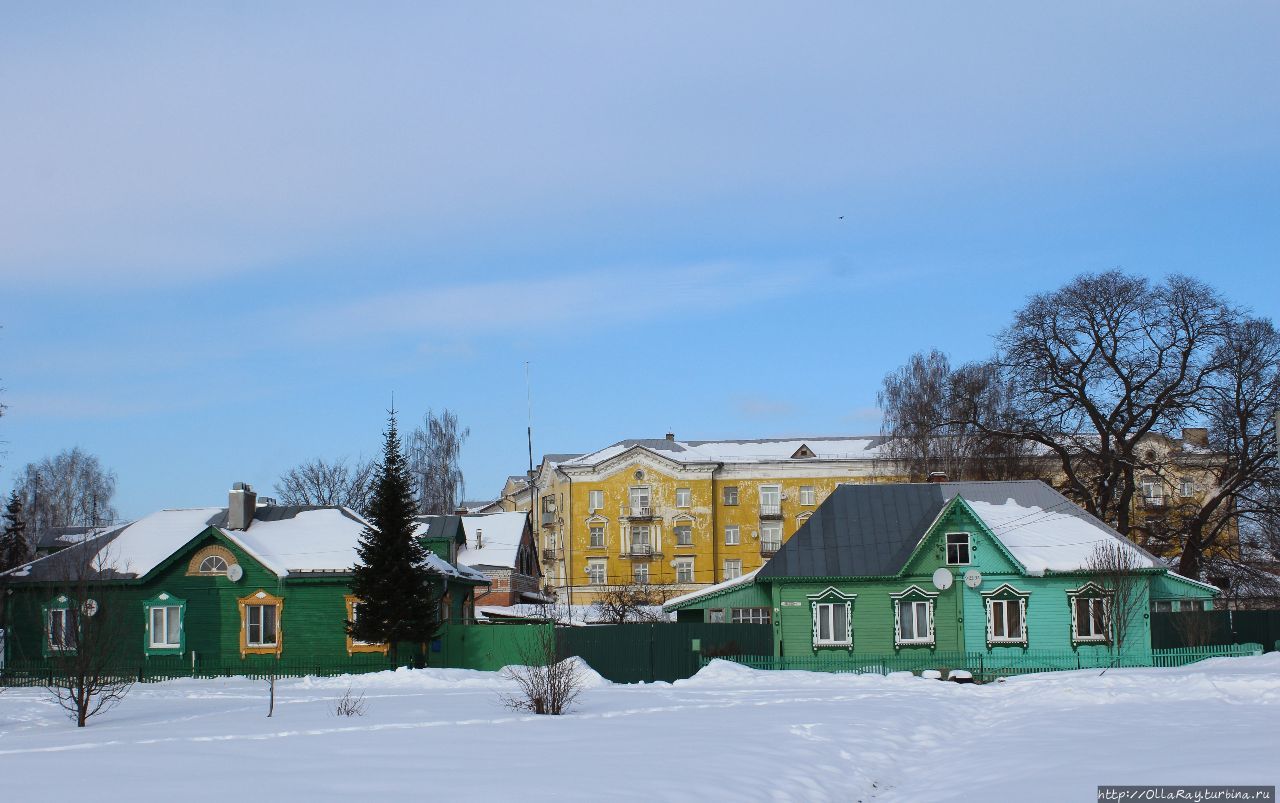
point(985, 667)
point(44, 672)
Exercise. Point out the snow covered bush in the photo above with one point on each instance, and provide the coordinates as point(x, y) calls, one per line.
point(547, 683)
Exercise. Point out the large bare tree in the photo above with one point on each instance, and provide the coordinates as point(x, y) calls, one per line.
point(318, 482)
point(70, 489)
point(435, 449)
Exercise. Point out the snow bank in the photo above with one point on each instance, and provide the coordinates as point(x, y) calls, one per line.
point(404, 678)
point(729, 675)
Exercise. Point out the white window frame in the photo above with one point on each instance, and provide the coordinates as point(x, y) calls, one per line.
point(636, 530)
point(222, 571)
point(597, 571)
point(591, 536)
point(682, 566)
point(770, 496)
point(777, 542)
point(732, 535)
point(261, 625)
point(730, 495)
point(167, 612)
point(912, 596)
point(686, 526)
point(968, 548)
point(640, 573)
point(808, 497)
point(67, 619)
point(1152, 490)
point(822, 609)
point(715, 616)
point(1096, 596)
point(684, 497)
point(355, 615)
point(751, 616)
point(1187, 487)
point(640, 492)
point(595, 500)
point(732, 568)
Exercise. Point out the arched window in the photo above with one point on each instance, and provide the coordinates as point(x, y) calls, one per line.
point(214, 564)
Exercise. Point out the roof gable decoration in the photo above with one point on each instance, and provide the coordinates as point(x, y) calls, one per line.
point(225, 547)
point(803, 453)
point(831, 592)
point(981, 526)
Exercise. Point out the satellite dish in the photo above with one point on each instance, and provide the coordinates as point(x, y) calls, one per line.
point(942, 579)
point(90, 607)
point(973, 578)
point(235, 572)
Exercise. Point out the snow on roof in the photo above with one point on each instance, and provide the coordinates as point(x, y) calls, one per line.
point(755, 450)
point(147, 542)
point(320, 540)
point(297, 541)
point(1046, 539)
point(493, 539)
point(743, 580)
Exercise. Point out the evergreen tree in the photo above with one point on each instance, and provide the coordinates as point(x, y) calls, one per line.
point(15, 550)
point(392, 579)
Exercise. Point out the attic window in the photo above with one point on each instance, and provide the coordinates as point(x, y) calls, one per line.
point(958, 549)
point(803, 452)
point(214, 564)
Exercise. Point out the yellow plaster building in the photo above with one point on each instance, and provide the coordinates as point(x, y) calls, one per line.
point(682, 514)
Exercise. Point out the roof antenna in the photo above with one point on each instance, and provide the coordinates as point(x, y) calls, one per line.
point(529, 429)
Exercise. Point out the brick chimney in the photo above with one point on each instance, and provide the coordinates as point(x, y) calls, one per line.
point(937, 476)
point(241, 503)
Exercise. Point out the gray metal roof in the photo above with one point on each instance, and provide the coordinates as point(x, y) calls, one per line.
point(871, 529)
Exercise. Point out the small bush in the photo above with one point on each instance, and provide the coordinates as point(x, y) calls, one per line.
point(350, 705)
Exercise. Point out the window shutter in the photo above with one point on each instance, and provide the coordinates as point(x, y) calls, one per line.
point(813, 607)
point(848, 624)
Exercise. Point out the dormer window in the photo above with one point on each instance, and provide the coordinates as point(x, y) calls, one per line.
point(958, 549)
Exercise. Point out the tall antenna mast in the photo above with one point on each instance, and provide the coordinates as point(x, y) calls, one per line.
point(529, 429)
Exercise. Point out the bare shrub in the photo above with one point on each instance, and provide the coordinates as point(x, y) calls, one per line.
point(549, 682)
point(350, 705)
point(632, 603)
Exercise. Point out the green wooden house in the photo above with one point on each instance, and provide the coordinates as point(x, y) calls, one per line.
point(995, 569)
point(245, 588)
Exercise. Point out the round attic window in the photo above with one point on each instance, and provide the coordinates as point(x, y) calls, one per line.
point(639, 474)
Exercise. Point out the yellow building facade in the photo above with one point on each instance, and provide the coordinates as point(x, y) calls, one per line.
point(682, 515)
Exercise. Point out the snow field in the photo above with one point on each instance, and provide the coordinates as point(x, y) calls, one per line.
point(729, 733)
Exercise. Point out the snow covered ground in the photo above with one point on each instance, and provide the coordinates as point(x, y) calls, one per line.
point(728, 733)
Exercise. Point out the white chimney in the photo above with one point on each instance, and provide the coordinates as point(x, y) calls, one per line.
point(241, 503)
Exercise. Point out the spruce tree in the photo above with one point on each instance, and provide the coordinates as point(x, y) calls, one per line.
point(392, 579)
point(15, 550)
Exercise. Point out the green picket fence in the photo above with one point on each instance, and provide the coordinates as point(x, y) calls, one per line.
point(986, 666)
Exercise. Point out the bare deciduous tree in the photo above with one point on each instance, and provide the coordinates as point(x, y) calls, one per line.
point(87, 635)
point(1115, 566)
point(434, 452)
point(549, 682)
point(318, 482)
point(930, 418)
point(632, 603)
point(71, 489)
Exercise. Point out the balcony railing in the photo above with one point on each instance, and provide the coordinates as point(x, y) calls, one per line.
point(770, 511)
point(548, 518)
point(641, 550)
point(638, 512)
point(550, 555)
point(769, 548)
point(1153, 501)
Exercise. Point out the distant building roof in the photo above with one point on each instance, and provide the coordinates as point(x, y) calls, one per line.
point(866, 530)
point(751, 450)
point(493, 539)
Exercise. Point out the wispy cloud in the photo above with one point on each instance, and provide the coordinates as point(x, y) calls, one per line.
point(575, 304)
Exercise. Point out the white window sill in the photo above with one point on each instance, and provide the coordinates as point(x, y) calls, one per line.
point(1016, 642)
point(817, 644)
point(919, 642)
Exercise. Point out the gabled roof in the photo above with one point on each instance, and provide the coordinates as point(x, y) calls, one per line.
point(493, 539)
point(289, 540)
point(870, 530)
point(750, 450)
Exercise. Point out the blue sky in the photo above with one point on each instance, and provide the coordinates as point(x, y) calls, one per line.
point(228, 235)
